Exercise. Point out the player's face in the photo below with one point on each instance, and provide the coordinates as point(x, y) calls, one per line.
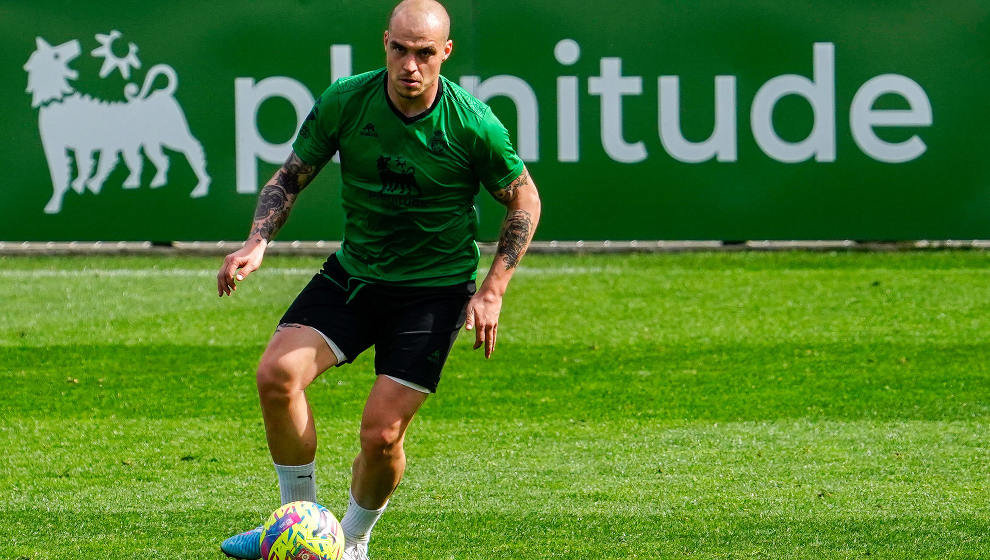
point(413, 60)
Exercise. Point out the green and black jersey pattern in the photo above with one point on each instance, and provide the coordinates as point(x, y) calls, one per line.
point(408, 183)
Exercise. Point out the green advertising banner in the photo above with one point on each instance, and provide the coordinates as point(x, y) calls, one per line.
point(638, 120)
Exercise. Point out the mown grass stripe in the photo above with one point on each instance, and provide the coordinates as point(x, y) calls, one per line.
point(676, 406)
point(27, 274)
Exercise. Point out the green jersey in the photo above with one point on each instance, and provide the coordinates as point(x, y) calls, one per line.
point(408, 183)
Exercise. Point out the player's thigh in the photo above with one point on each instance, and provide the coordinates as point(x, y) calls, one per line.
point(295, 356)
point(388, 411)
point(326, 306)
point(420, 335)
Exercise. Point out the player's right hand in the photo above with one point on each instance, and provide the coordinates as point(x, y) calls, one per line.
point(237, 266)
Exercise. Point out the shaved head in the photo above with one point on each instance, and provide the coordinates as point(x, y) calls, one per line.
point(417, 42)
point(425, 17)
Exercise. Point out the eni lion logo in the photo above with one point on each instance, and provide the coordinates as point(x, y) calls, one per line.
point(97, 131)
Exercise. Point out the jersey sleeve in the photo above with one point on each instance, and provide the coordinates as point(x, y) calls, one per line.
point(318, 138)
point(496, 160)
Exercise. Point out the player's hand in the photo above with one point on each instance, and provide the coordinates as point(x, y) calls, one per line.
point(482, 317)
point(237, 266)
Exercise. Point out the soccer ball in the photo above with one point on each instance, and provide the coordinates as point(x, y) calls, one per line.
point(302, 531)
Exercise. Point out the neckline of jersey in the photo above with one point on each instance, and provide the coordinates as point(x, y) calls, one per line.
point(414, 118)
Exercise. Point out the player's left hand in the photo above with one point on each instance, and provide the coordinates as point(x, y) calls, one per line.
point(482, 317)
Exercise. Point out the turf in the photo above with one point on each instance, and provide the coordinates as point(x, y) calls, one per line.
point(743, 405)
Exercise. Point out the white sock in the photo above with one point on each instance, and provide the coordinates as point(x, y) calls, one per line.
point(357, 521)
point(297, 483)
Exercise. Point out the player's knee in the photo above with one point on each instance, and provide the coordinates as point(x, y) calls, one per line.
point(381, 441)
point(276, 379)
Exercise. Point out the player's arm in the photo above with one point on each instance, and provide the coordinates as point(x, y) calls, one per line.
point(274, 203)
point(522, 203)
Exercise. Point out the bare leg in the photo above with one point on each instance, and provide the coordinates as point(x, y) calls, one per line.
point(379, 466)
point(295, 356)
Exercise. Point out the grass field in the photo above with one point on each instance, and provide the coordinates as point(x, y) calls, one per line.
point(745, 405)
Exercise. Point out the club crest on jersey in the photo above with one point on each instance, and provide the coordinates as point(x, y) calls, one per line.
point(438, 143)
point(397, 176)
point(100, 131)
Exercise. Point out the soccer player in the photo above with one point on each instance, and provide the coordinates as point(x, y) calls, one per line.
point(414, 148)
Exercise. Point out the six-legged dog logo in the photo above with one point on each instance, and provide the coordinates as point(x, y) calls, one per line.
point(147, 121)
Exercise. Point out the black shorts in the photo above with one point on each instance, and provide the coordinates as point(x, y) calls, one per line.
point(411, 328)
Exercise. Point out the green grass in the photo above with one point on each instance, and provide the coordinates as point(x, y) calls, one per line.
point(744, 405)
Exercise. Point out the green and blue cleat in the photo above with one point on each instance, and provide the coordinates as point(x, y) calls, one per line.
point(246, 546)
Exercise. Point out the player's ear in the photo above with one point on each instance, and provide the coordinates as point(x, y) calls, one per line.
point(447, 49)
point(385, 40)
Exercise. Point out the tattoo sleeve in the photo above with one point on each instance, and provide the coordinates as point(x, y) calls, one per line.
point(508, 192)
point(516, 231)
point(278, 196)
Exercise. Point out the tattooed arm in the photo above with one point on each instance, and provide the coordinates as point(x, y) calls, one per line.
point(522, 203)
point(523, 213)
point(274, 203)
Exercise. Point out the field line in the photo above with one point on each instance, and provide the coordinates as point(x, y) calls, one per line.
point(206, 273)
